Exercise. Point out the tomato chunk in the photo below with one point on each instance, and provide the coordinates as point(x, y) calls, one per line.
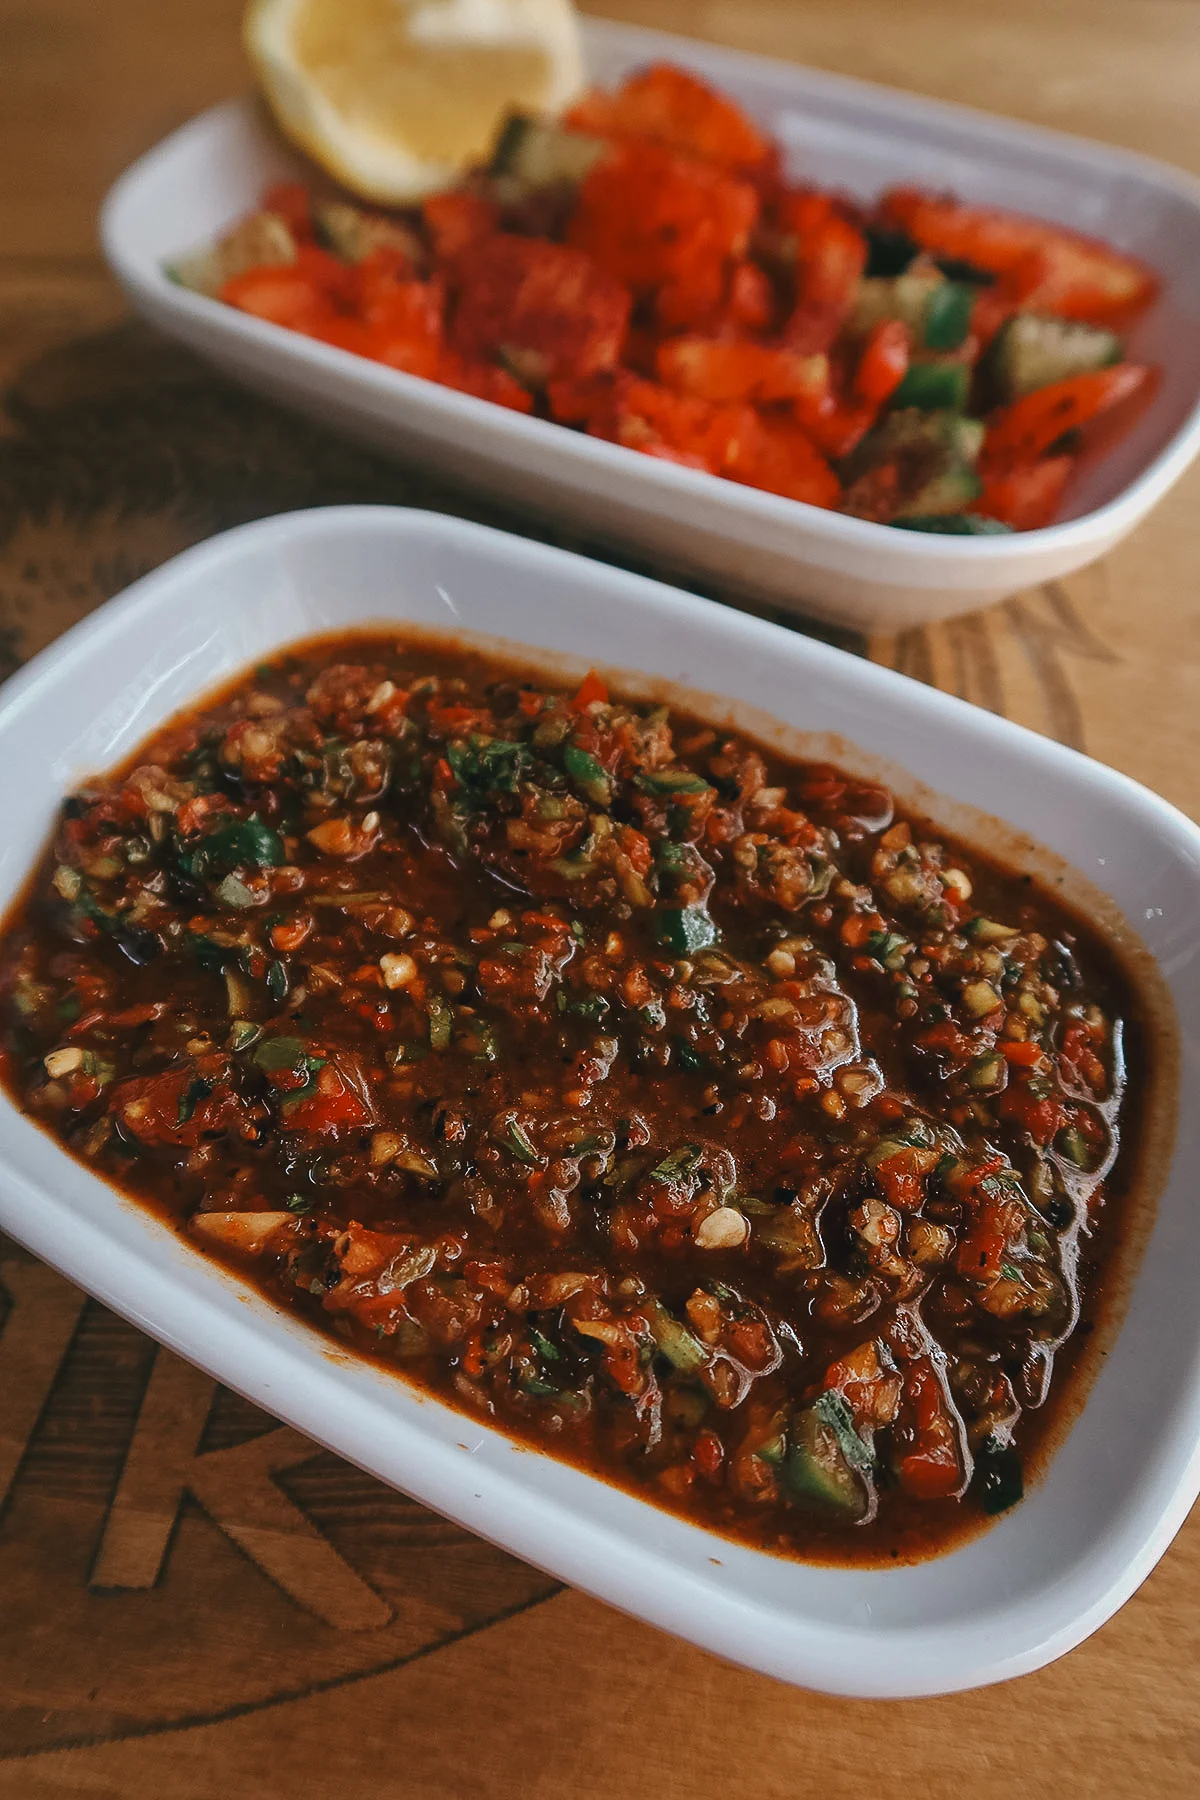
point(646, 416)
point(487, 381)
point(883, 363)
point(781, 458)
point(282, 294)
point(456, 221)
point(931, 1469)
point(291, 200)
point(672, 107)
point(548, 308)
point(830, 259)
point(1027, 495)
point(712, 369)
point(649, 216)
point(1023, 431)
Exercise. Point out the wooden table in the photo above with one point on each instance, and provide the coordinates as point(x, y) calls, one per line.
point(192, 1601)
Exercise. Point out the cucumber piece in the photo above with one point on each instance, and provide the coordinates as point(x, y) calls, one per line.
point(930, 441)
point(683, 929)
point(260, 240)
point(948, 315)
point(954, 524)
point(950, 491)
point(539, 153)
point(352, 233)
point(934, 387)
point(827, 1462)
point(1030, 351)
point(936, 311)
point(903, 297)
point(965, 436)
point(932, 453)
point(681, 1349)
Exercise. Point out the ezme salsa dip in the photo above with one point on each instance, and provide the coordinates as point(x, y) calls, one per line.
point(689, 1112)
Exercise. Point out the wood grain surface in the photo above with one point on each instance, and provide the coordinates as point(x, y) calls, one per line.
point(194, 1602)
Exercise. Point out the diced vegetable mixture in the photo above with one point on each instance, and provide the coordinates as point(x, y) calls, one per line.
point(644, 270)
point(690, 1112)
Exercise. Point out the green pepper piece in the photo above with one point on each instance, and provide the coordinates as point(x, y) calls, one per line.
point(441, 1023)
point(673, 781)
point(485, 766)
point(887, 947)
point(513, 1134)
point(191, 1097)
point(278, 1053)
point(685, 928)
point(999, 1479)
point(237, 844)
point(948, 315)
point(593, 1007)
point(546, 1350)
point(588, 775)
point(682, 1162)
point(934, 387)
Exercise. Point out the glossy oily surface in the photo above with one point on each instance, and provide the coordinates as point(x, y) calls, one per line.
point(1115, 1491)
point(688, 1111)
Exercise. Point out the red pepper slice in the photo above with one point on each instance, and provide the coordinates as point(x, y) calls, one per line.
point(829, 265)
point(883, 363)
point(283, 295)
point(1077, 277)
point(1022, 432)
point(591, 688)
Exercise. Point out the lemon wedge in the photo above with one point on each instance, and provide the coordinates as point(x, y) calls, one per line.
point(395, 98)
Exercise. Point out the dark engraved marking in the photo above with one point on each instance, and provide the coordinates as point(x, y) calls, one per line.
point(164, 1727)
point(43, 1311)
point(236, 1488)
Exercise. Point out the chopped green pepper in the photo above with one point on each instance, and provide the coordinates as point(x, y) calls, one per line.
point(685, 928)
point(588, 775)
point(948, 315)
point(934, 387)
point(514, 1135)
point(441, 1022)
point(999, 1480)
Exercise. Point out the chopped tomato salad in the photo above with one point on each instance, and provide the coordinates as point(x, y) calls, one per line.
point(646, 271)
point(695, 1114)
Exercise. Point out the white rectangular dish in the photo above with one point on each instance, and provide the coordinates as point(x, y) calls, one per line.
point(836, 132)
point(1041, 1578)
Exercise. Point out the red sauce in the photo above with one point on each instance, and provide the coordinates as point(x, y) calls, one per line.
point(682, 1109)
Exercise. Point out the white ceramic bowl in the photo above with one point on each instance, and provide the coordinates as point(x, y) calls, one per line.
point(1043, 1576)
point(844, 134)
